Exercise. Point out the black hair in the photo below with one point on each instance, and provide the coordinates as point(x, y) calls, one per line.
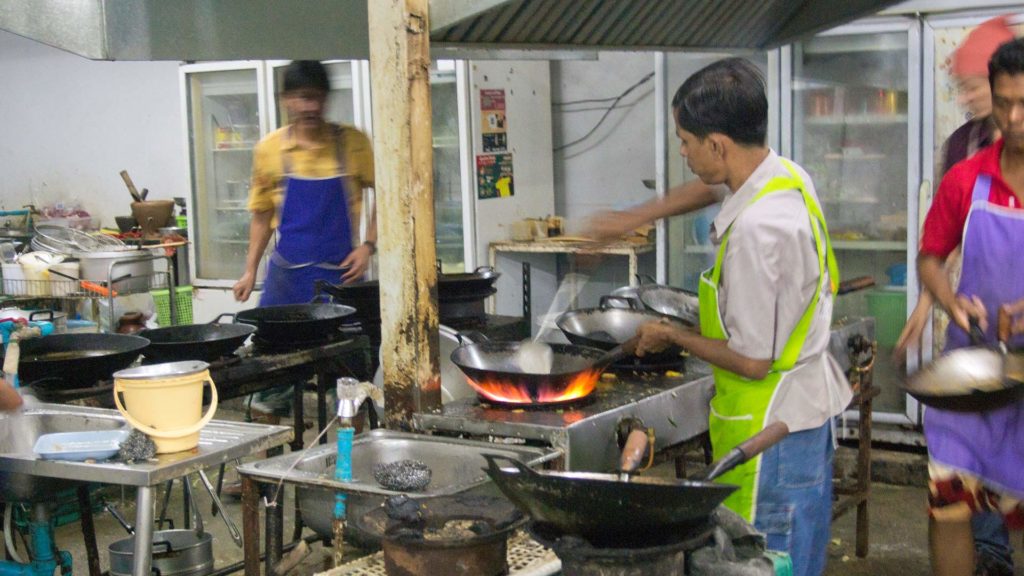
point(727, 97)
point(306, 74)
point(1008, 59)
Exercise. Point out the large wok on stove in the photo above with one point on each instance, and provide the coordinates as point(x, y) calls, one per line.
point(615, 509)
point(494, 371)
point(76, 360)
point(296, 323)
point(205, 342)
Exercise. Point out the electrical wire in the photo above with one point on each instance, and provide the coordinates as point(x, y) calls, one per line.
point(608, 111)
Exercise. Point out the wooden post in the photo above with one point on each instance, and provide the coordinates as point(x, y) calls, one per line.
point(400, 78)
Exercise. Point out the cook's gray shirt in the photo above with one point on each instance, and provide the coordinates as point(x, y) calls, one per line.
point(769, 275)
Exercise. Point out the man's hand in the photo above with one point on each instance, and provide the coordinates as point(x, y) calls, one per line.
point(656, 337)
point(243, 288)
point(607, 226)
point(966, 308)
point(1016, 311)
point(357, 262)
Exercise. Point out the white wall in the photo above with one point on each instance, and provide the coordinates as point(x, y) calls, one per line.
point(71, 125)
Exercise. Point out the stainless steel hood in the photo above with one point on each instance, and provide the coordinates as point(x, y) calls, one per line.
point(196, 30)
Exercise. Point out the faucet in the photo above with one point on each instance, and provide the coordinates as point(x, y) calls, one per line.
point(351, 395)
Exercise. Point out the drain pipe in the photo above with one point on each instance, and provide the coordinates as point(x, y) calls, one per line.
point(44, 561)
point(351, 395)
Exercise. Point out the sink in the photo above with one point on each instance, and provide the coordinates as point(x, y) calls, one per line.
point(18, 434)
point(456, 467)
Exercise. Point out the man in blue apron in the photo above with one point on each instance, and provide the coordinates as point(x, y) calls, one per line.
point(765, 312)
point(307, 184)
point(977, 459)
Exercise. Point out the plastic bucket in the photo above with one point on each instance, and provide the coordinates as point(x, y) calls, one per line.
point(165, 401)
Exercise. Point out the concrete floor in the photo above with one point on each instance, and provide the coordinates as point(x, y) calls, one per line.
point(897, 517)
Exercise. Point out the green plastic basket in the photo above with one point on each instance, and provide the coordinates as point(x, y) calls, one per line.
point(889, 307)
point(183, 313)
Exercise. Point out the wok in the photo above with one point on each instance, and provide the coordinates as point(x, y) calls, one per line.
point(206, 342)
point(972, 379)
point(670, 301)
point(574, 368)
point(605, 509)
point(606, 326)
point(293, 323)
point(77, 359)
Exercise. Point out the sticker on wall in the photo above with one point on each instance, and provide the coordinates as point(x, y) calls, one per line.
point(493, 122)
point(494, 176)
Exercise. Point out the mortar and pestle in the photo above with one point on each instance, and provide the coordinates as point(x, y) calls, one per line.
point(152, 215)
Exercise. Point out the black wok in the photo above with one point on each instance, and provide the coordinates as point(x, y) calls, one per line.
point(77, 359)
point(607, 326)
point(972, 379)
point(205, 342)
point(606, 509)
point(295, 323)
point(492, 370)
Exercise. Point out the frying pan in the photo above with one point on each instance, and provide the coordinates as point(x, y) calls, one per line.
point(972, 379)
point(607, 326)
point(292, 323)
point(604, 509)
point(670, 301)
point(572, 365)
point(78, 359)
point(205, 342)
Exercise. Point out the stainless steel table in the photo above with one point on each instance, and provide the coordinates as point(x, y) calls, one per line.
point(220, 441)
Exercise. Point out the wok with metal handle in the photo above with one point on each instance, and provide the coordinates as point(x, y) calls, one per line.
point(494, 365)
point(607, 326)
point(604, 508)
point(675, 302)
point(972, 379)
point(205, 342)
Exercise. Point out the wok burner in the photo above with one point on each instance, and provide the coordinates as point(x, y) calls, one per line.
point(665, 556)
point(462, 535)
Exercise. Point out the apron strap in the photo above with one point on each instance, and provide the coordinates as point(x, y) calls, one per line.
point(826, 260)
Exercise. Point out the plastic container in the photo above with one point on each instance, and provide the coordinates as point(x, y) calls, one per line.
point(13, 279)
point(59, 285)
point(897, 274)
point(82, 327)
point(35, 266)
point(79, 446)
point(183, 313)
point(889, 307)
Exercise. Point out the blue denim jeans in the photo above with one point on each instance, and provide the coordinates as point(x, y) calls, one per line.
point(794, 498)
point(992, 539)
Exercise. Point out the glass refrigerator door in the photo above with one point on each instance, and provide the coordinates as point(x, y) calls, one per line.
point(850, 99)
point(444, 98)
point(224, 126)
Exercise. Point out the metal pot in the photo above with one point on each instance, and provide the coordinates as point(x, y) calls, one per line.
point(607, 326)
point(110, 265)
point(175, 553)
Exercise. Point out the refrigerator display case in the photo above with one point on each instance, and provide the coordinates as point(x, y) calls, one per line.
point(854, 101)
point(224, 111)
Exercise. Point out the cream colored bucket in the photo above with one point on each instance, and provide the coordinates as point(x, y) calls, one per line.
point(165, 401)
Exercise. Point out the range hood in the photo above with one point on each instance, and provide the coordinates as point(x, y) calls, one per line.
point(198, 30)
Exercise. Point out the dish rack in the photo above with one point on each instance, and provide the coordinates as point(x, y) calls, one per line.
point(21, 289)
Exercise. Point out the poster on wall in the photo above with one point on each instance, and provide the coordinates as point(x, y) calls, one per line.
point(494, 176)
point(494, 123)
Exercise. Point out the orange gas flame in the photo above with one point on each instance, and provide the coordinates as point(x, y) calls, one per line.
point(509, 391)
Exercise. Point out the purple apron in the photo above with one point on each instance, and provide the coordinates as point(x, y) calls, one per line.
point(989, 444)
point(313, 236)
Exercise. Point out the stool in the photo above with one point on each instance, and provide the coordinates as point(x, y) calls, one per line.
point(856, 493)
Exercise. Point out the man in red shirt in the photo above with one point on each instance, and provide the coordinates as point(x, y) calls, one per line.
point(976, 458)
